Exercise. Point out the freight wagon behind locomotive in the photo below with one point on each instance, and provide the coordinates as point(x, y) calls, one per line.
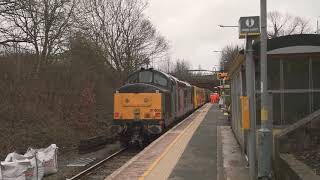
point(149, 102)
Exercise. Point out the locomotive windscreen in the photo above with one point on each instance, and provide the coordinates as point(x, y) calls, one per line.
point(145, 77)
point(148, 77)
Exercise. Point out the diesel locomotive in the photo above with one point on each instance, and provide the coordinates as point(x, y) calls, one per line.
point(150, 101)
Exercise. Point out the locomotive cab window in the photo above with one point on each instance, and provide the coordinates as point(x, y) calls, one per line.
point(145, 77)
point(133, 78)
point(160, 80)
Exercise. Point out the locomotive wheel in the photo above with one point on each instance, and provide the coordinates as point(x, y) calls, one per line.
point(144, 141)
point(124, 143)
point(124, 140)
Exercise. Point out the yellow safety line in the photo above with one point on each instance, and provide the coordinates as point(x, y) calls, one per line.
point(156, 162)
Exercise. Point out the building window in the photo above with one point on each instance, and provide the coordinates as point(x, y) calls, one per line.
point(296, 106)
point(273, 73)
point(296, 72)
point(316, 72)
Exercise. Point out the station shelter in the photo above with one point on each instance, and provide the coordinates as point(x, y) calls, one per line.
point(293, 65)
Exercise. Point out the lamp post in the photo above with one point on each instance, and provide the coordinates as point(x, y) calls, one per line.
point(220, 65)
point(214, 68)
point(223, 26)
point(221, 82)
point(215, 72)
point(265, 131)
point(317, 32)
point(226, 26)
point(221, 68)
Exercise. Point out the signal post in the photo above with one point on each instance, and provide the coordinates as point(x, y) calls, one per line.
point(249, 29)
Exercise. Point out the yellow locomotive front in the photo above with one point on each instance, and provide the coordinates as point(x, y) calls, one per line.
point(139, 107)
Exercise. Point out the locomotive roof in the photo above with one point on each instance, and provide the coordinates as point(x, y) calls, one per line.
point(174, 79)
point(163, 73)
point(184, 83)
point(140, 87)
point(151, 69)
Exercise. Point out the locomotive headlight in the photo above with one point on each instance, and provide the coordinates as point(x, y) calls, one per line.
point(116, 114)
point(146, 100)
point(157, 114)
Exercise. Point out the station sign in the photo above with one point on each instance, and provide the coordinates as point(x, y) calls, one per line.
point(222, 76)
point(249, 26)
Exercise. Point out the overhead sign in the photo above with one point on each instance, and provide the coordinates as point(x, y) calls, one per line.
point(249, 26)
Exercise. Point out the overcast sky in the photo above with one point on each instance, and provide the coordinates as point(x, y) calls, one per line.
point(191, 25)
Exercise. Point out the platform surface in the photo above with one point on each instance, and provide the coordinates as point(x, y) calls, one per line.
point(194, 149)
point(199, 160)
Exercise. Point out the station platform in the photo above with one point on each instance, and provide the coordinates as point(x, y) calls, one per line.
point(200, 147)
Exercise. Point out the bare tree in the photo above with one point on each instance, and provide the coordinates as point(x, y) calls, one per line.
point(40, 25)
point(285, 24)
point(181, 69)
point(165, 64)
point(228, 54)
point(123, 35)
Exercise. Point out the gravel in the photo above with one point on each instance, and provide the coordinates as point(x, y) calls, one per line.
point(311, 157)
point(69, 157)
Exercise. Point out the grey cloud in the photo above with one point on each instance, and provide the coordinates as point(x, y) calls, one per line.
point(191, 26)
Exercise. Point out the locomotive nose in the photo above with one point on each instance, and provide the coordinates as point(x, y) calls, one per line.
point(137, 106)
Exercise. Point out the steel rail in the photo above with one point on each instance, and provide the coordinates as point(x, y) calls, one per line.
point(86, 171)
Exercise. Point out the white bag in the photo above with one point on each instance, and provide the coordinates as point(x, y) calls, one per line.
point(0, 172)
point(48, 158)
point(14, 170)
point(35, 171)
point(14, 157)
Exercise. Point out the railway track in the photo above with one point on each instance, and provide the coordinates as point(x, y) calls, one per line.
point(105, 167)
point(108, 165)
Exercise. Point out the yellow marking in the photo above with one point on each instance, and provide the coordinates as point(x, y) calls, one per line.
point(245, 112)
point(264, 114)
point(156, 162)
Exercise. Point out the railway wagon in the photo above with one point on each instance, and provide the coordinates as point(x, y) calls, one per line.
point(149, 101)
point(199, 97)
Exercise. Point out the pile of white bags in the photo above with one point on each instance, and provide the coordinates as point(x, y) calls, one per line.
point(33, 165)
